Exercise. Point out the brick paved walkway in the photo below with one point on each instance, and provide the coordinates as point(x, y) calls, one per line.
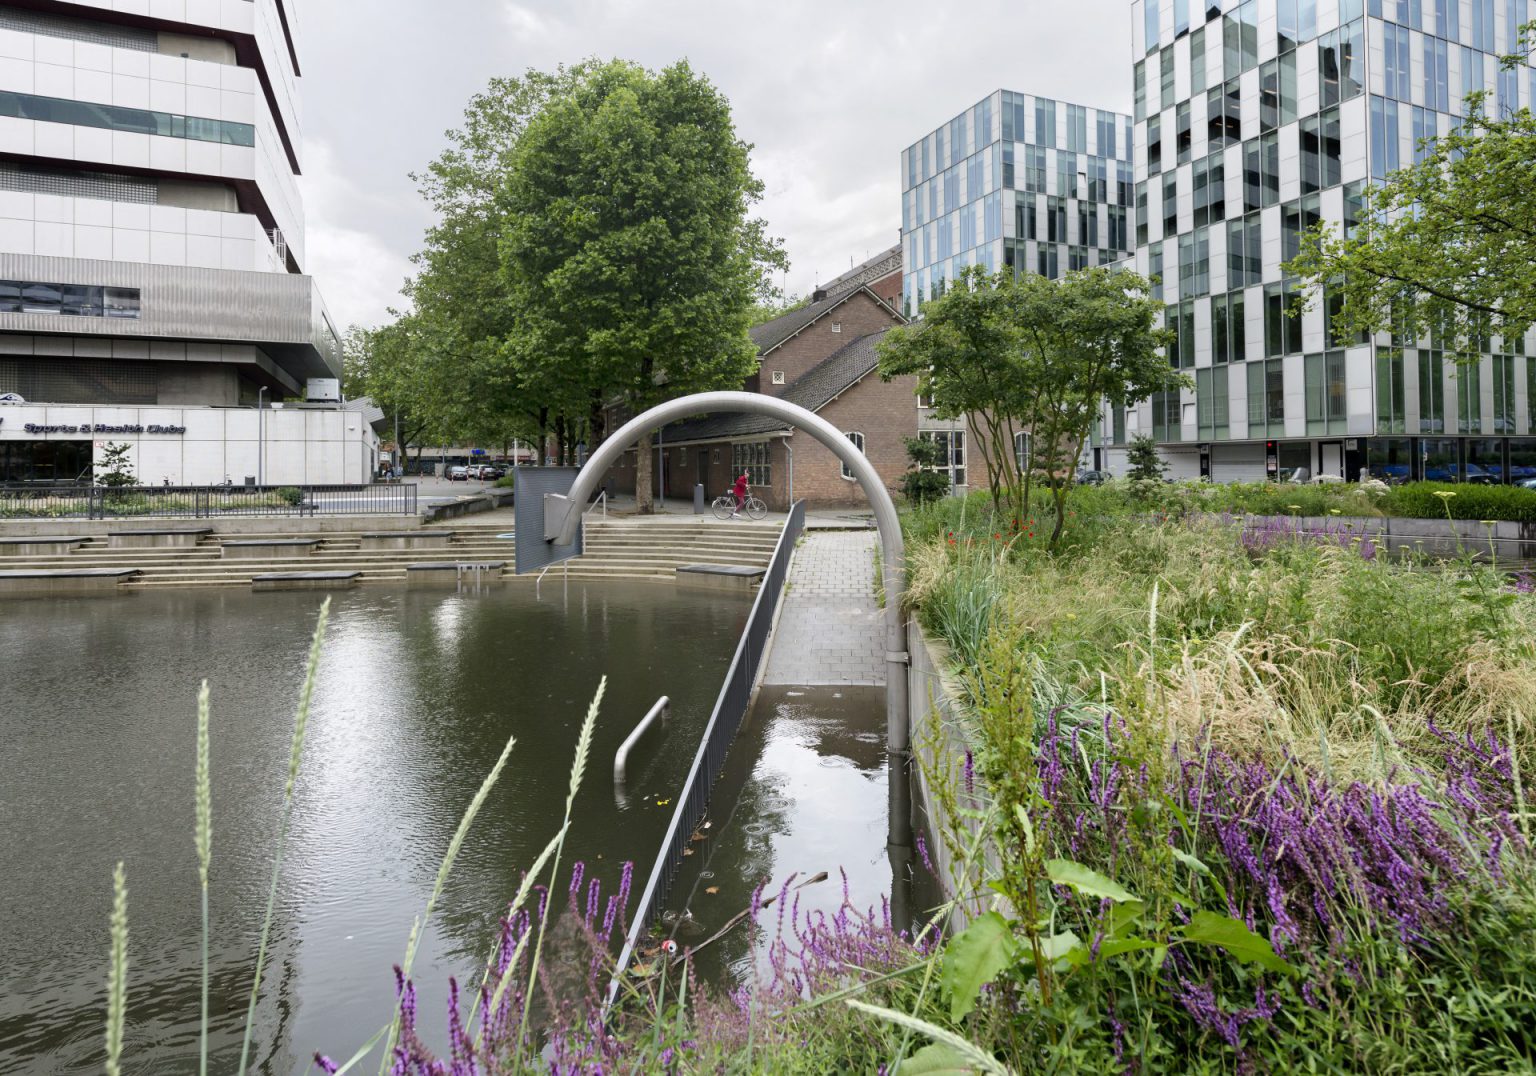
point(830, 630)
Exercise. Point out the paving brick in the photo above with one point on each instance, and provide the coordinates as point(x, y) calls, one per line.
point(830, 631)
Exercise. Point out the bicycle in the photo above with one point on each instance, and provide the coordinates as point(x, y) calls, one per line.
point(725, 504)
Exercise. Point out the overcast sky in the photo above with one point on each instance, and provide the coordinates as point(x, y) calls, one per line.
point(828, 91)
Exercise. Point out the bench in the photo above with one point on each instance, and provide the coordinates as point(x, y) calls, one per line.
point(268, 548)
point(181, 538)
point(454, 573)
point(61, 582)
point(305, 581)
point(380, 540)
point(719, 576)
point(39, 545)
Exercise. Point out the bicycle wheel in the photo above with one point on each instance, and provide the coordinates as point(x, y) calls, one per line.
point(723, 507)
point(756, 509)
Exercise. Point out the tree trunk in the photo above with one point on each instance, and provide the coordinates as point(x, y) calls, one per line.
point(643, 470)
point(560, 441)
point(595, 430)
point(543, 449)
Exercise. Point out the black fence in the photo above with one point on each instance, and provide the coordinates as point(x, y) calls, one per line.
point(204, 502)
point(730, 708)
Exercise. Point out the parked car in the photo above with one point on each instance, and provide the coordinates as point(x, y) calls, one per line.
point(1527, 483)
point(458, 473)
point(1093, 478)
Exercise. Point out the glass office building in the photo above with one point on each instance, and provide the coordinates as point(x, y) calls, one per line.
point(1254, 120)
point(1015, 180)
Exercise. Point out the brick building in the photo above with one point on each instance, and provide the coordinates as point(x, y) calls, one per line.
point(822, 357)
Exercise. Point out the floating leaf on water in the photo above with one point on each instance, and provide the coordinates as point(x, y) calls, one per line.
point(712, 890)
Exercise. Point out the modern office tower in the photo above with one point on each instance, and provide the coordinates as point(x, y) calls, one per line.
point(1015, 180)
point(152, 250)
point(1255, 119)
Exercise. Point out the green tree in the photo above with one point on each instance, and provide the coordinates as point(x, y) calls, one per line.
point(924, 480)
point(965, 355)
point(461, 371)
point(1447, 245)
point(630, 262)
point(1146, 464)
point(1093, 337)
point(115, 469)
point(1029, 354)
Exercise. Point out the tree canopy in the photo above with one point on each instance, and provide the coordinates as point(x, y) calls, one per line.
point(1447, 245)
point(630, 264)
point(1015, 354)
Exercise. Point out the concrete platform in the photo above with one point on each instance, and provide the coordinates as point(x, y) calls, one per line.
point(62, 582)
point(39, 546)
point(454, 573)
point(180, 538)
point(381, 540)
point(268, 548)
point(305, 581)
point(719, 576)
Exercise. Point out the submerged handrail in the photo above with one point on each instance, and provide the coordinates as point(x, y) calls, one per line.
point(621, 757)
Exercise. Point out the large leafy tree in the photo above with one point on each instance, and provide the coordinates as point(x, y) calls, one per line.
point(629, 259)
point(1448, 244)
point(462, 326)
point(1089, 338)
point(1012, 354)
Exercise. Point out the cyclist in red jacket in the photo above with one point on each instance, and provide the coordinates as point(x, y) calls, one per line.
point(739, 491)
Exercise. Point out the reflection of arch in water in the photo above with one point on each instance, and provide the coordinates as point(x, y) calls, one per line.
point(562, 517)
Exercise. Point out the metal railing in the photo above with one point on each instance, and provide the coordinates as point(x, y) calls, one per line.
point(730, 708)
point(203, 502)
point(621, 757)
point(602, 499)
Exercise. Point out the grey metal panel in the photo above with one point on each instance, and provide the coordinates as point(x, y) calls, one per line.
point(276, 310)
point(533, 552)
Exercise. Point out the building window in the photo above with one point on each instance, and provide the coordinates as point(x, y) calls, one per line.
point(1326, 396)
point(69, 300)
point(1469, 397)
point(857, 440)
point(752, 459)
point(1021, 451)
point(1431, 392)
point(27, 106)
point(837, 326)
point(1228, 335)
point(1503, 394)
point(1390, 411)
point(953, 443)
point(1167, 417)
point(1212, 406)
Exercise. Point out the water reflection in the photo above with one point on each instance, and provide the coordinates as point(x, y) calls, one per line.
point(807, 788)
point(417, 695)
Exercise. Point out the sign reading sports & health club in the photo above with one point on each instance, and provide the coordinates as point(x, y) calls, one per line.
point(102, 427)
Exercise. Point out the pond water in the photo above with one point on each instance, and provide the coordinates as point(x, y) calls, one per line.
point(418, 692)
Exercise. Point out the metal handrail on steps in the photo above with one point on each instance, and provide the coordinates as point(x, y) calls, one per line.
point(602, 499)
point(621, 757)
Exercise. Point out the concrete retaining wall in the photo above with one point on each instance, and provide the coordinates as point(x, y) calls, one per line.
point(941, 736)
point(296, 525)
point(1431, 537)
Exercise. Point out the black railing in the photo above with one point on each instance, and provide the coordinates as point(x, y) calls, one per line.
point(203, 502)
point(730, 708)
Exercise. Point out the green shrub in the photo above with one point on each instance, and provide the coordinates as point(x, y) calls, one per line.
point(507, 481)
point(1420, 500)
point(291, 495)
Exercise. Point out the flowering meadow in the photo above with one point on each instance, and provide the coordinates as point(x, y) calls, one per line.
point(1256, 799)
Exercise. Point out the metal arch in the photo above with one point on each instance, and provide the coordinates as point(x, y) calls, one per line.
point(559, 513)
